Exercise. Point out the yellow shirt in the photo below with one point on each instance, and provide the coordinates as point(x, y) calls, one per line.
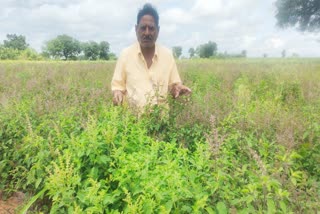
point(145, 85)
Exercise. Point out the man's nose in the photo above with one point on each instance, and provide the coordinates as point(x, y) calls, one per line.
point(147, 31)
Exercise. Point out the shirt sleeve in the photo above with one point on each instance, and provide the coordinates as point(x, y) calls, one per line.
point(119, 76)
point(174, 74)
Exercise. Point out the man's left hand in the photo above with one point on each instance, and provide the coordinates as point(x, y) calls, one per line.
point(179, 89)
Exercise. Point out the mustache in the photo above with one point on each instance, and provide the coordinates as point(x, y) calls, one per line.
point(147, 38)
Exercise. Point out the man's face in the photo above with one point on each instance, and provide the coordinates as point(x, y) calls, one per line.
point(147, 31)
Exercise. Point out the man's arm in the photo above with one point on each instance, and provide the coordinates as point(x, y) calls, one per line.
point(118, 83)
point(176, 87)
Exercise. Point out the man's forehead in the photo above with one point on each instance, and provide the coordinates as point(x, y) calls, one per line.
point(147, 19)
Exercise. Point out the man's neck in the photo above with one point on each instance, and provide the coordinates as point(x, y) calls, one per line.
point(148, 53)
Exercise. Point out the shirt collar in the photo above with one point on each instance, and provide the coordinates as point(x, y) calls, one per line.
point(156, 52)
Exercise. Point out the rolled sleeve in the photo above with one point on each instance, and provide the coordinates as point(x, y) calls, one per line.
point(174, 74)
point(119, 77)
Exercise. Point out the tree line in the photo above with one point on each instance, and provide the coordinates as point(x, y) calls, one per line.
point(206, 50)
point(62, 47)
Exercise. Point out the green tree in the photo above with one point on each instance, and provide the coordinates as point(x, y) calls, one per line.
point(63, 47)
point(302, 13)
point(243, 53)
point(17, 42)
point(192, 52)
point(207, 50)
point(177, 51)
point(283, 53)
point(91, 50)
point(104, 49)
point(112, 56)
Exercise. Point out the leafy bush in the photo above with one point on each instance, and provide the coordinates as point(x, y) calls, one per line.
point(14, 54)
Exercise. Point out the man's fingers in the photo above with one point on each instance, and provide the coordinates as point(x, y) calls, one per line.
point(176, 93)
point(178, 90)
point(185, 91)
point(116, 100)
point(117, 97)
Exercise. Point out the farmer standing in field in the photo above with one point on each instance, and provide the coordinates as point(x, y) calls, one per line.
point(146, 71)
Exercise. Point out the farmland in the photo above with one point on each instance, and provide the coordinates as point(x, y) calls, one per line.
point(246, 141)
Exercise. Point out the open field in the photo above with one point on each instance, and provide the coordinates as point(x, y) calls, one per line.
point(246, 141)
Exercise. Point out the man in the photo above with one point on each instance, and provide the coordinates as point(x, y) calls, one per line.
point(146, 71)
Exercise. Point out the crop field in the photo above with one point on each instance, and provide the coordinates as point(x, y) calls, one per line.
point(246, 141)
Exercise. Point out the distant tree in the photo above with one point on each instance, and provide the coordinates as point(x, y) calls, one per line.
point(91, 50)
point(243, 53)
point(283, 53)
point(30, 54)
point(15, 42)
point(104, 49)
point(9, 53)
point(302, 13)
point(207, 50)
point(112, 56)
point(265, 55)
point(63, 47)
point(192, 52)
point(177, 51)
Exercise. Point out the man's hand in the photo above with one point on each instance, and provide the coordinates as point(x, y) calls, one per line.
point(117, 97)
point(178, 89)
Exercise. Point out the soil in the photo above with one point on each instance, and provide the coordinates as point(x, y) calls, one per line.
point(11, 205)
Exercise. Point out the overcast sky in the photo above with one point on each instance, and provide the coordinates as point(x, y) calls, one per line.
point(235, 25)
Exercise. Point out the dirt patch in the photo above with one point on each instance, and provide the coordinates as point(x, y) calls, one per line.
point(10, 205)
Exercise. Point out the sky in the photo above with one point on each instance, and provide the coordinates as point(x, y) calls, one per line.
point(235, 25)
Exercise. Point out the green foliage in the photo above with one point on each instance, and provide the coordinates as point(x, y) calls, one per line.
point(9, 53)
point(30, 54)
point(63, 47)
point(245, 141)
point(93, 51)
point(192, 52)
point(14, 54)
point(177, 51)
point(104, 49)
point(207, 50)
point(90, 50)
point(16, 42)
point(291, 93)
point(304, 14)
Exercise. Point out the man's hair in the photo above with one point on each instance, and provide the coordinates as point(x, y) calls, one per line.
point(148, 9)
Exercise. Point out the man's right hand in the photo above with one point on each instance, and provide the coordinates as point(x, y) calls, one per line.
point(117, 97)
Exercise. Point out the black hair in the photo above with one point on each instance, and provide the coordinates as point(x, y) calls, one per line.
point(148, 9)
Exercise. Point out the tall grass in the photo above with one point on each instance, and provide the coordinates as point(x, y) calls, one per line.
point(246, 140)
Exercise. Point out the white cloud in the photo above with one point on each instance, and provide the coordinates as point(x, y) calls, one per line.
point(207, 7)
point(177, 15)
point(249, 40)
point(274, 43)
point(233, 25)
point(168, 29)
